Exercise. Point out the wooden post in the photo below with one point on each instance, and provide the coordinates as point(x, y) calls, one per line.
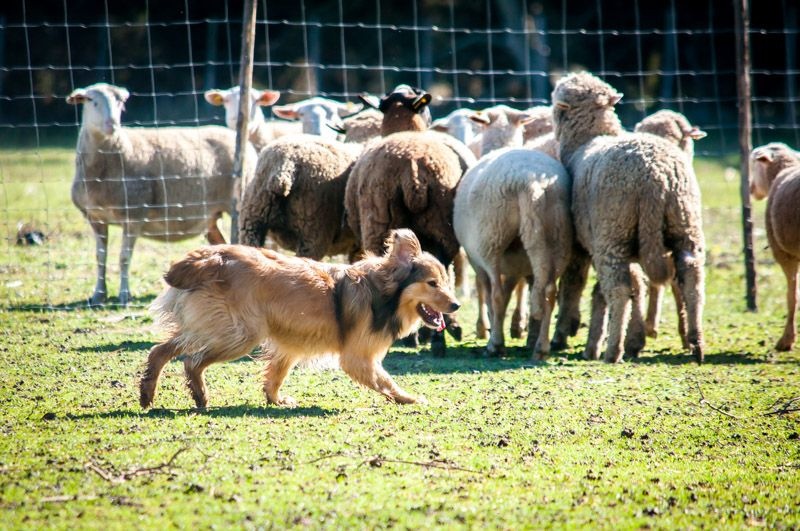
point(245, 83)
point(742, 27)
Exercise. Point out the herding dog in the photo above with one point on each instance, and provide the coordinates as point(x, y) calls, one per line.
point(224, 300)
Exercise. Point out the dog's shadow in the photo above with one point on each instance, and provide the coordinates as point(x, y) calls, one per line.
point(220, 411)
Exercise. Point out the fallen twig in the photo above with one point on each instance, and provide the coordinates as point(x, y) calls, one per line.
point(785, 408)
point(116, 478)
point(377, 461)
point(63, 498)
point(705, 402)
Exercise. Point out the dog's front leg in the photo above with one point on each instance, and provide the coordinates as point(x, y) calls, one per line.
point(369, 372)
point(278, 367)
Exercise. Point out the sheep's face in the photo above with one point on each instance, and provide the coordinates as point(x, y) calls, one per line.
point(674, 127)
point(588, 100)
point(319, 116)
point(230, 100)
point(102, 106)
point(765, 164)
point(458, 124)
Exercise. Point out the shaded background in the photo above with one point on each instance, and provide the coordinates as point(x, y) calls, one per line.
point(660, 54)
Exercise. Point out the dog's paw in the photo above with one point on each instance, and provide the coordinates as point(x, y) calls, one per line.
point(286, 401)
point(409, 399)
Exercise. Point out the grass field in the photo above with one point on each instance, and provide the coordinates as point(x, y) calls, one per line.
point(503, 443)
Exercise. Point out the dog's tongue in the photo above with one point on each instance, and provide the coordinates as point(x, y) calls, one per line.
point(440, 322)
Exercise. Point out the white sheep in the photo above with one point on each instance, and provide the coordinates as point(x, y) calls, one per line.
point(260, 131)
point(512, 216)
point(775, 174)
point(458, 124)
point(676, 128)
point(501, 126)
point(319, 116)
point(167, 183)
point(635, 199)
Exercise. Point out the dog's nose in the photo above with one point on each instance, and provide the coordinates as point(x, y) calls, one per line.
point(454, 306)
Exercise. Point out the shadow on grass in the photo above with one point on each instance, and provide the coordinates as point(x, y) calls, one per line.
point(714, 358)
point(122, 346)
point(112, 305)
point(222, 411)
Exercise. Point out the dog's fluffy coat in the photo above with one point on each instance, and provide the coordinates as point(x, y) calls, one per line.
point(223, 301)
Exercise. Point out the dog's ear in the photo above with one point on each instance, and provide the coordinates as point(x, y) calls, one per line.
point(403, 245)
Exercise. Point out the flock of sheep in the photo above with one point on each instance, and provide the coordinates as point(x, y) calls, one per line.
point(532, 197)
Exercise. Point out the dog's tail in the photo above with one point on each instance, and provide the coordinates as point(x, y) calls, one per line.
point(199, 267)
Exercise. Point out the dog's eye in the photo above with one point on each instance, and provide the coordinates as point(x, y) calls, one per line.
point(433, 284)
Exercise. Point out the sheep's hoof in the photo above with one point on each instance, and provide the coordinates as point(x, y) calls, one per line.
point(495, 351)
point(784, 344)
point(455, 331)
point(481, 330)
point(516, 331)
point(540, 354)
point(559, 342)
point(651, 332)
point(592, 353)
point(613, 356)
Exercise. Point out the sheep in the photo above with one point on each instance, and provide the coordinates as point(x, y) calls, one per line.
point(297, 196)
point(319, 116)
point(458, 124)
point(167, 183)
point(261, 132)
point(775, 174)
point(540, 124)
point(512, 216)
point(501, 126)
point(676, 128)
point(361, 127)
point(407, 179)
point(635, 199)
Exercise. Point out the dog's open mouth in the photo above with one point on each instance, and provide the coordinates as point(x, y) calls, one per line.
point(431, 317)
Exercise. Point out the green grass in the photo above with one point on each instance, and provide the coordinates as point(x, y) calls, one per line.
point(502, 443)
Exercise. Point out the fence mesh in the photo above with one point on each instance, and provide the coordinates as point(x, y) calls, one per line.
point(661, 54)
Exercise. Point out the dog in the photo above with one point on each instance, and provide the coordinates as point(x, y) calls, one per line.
point(224, 300)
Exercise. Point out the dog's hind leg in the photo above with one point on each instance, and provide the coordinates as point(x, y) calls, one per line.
point(369, 372)
point(195, 380)
point(158, 357)
point(278, 367)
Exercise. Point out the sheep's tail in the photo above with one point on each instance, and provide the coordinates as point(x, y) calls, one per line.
point(654, 257)
point(282, 178)
point(199, 267)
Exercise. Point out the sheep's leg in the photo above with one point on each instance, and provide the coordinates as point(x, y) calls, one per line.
point(691, 282)
point(655, 296)
point(159, 356)
point(615, 281)
point(482, 289)
point(128, 241)
point(542, 300)
point(680, 306)
point(519, 319)
point(570, 288)
point(496, 345)
point(635, 335)
point(597, 324)
point(460, 273)
point(278, 367)
point(213, 234)
point(366, 370)
point(786, 342)
point(101, 254)
point(195, 380)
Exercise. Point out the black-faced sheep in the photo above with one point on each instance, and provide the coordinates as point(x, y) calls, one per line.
point(407, 179)
point(167, 183)
point(775, 174)
point(635, 199)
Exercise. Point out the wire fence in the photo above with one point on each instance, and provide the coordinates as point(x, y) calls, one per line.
point(660, 54)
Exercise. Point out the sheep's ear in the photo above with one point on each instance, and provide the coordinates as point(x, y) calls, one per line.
point(267, 97)
point(337, 127)
point(439, 125)
point(370, 101)
point(287, 112)
point(403, 245)
point(522, 118)
point(420, 103)
point(77, 97)
point(562, 105)
point(122, 94)
point(214, 97)
point(608, 100)
point(348, 109)
point(763, 155)
point(696, 133)
point(480, 118)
